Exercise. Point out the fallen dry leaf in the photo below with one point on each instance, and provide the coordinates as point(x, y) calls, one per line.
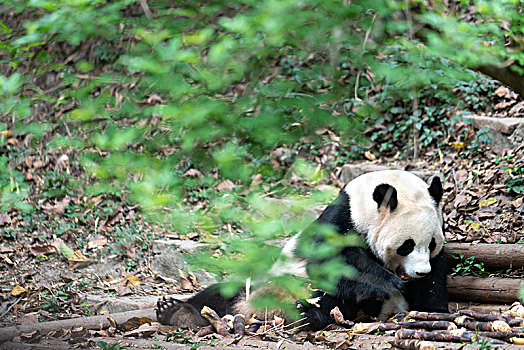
point(7, 260)
point(501, 91)
point(4, 219)
point(51, 247)
point(147, 329)
point(226, 185)
point(193, 280)
point(462, 176)
point(192, 173)
point(78, 260)
point(336, 314)
point(18, 290)
point(369, 155)
point(58, 207)
point(457, 145)
point(4, 249)
point(488, 202)
point(517, 202)
point(185, 283)
point(133, 280)
point(96, 242)
point(134, 323)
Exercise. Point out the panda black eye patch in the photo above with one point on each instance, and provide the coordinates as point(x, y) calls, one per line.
point(406, 247)
point(432, 245)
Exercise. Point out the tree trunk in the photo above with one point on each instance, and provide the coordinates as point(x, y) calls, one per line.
point(492, 255)
point(492, 289)
point(506, 76)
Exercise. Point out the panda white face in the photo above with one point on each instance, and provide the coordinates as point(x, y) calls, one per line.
point(400, 217)
point(408, 251)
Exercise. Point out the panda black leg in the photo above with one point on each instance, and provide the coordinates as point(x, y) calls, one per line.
point(186, 314)
point(180, 314)
point(430, 293)
point(318, 317)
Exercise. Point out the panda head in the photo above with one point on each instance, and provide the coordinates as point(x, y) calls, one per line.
point(400, 216)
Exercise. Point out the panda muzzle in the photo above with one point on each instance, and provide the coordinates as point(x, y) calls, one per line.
point(400, 272)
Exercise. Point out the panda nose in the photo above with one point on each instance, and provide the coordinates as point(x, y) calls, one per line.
point(421, 274)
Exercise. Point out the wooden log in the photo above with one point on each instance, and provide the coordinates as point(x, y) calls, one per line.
point(412, 344)
point(372, 327)
point(239, 325)
point(218, 324)
point(485, 308)
point(493, 289)
point(428, 325)
point(492, 255)
point(447, 336)
point(91, 322)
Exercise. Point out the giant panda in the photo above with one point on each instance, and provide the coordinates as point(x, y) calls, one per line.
point(401, 268)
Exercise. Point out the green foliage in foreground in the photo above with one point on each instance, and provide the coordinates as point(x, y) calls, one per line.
point(178, 96)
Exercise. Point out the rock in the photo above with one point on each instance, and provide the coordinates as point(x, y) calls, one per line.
point(503, 125)
point(517, 109)
point(106, 266)
point(500, 142)
point(501, 129)
point(168, 259)
point(185, 246)
point(517, 138)
point(349, 172)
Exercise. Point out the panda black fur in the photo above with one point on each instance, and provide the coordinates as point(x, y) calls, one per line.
point(400, 218)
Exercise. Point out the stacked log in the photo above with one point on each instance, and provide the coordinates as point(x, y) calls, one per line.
point(492, 289)
point(492, 255)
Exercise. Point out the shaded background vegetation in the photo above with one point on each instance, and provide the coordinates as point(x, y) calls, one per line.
point(196, 112)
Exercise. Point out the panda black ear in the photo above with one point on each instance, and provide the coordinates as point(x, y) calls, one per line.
point(435, 189)
point(386, 195)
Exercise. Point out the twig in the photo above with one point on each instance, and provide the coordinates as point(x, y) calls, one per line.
point(67, 129)
point(301, 94)
point(147, 10)
point(297, 327)
point(96, 305)
point(10, 307)
point(366, 37)
point(455, 179)
point(297, 321)
point(414, 109)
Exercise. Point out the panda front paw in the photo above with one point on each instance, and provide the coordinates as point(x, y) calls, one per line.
point(315, 318)
point(166, 308)
point(395, 284)
point(180, 314)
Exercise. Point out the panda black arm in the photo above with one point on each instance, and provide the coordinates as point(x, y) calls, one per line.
point(430, 293)
point(371, 278)
point(370, 285)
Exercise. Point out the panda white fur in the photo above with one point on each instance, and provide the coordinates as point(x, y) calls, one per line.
point(402, 268)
